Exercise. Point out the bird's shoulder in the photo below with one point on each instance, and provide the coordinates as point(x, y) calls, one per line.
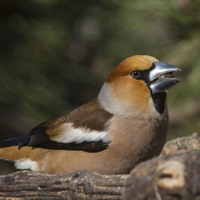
point(90, 116)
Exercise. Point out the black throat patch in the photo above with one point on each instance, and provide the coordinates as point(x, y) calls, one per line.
point(159, 100)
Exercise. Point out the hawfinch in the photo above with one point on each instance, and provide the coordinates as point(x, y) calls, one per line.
point(124, 125)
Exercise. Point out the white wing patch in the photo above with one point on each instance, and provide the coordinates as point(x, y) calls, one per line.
point(26, 164)
point(70, 134)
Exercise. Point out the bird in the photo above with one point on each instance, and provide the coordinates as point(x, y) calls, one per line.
point(127, 123)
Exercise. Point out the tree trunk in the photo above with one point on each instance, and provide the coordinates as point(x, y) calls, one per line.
point(175, 174)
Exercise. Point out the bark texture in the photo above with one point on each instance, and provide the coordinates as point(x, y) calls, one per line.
point(174, 175)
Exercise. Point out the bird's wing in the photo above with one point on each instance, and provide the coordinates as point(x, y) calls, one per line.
point(83, 129)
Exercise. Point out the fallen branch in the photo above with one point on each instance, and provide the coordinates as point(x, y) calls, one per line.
point(77, 185)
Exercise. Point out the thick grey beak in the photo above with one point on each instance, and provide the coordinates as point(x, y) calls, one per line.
point(161, 77)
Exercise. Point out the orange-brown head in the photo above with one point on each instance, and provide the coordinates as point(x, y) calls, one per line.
point(137, 87)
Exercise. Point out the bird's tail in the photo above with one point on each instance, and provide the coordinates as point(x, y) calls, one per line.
point(10, 149)
point(12, 153)
point(23, 158)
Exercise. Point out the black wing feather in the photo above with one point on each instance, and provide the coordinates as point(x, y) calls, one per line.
point(40, 139)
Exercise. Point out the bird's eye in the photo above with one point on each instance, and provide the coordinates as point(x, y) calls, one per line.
point(135, 74)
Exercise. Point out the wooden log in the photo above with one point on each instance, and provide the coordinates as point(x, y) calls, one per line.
point(170, 177)
point(182, 145)
point(77, 185)
point(175, 174)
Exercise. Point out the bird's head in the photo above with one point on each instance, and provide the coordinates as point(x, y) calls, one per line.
point(138, 87)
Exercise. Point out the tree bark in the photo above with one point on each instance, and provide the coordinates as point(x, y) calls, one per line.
point(77, 185)
point(175, 174)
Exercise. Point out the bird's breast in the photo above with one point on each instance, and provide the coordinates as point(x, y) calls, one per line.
point(135, 140)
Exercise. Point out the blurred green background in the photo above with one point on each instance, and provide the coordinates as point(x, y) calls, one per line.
point(55, 55)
